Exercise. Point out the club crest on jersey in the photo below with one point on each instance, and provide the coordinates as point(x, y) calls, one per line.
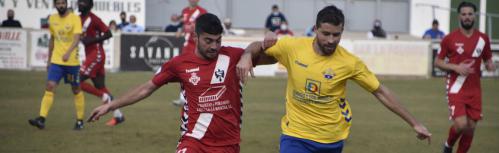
point(194, 79)
point(220, 74)
point(328, 74)
point(460, 48)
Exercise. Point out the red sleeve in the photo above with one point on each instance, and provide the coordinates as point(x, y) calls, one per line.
point(100, 25)
point(487, 53)
point(202, 10)
point(165, 74)
point(444, 50)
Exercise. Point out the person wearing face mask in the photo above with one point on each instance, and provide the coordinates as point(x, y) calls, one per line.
point(275, 19)
point(377, 31)
point(284, 30)
point(65, 30)
point(461, 55)
point(318, 116)
point(10, 22)
point(133, 26)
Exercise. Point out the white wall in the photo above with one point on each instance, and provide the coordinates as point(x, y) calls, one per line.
point(30, 12)
point(421, 16)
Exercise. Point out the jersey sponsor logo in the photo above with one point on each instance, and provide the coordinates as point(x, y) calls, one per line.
point(313, 86)
point(301, 64)
point(212, 94)
point(460, 48)
point(312, 93)
point(220, 69)
point(194, 79)
point(478, 48)
point(192, 70)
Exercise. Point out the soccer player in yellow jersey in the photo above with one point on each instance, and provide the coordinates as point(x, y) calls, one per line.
point(318, 116)
point(65, 29)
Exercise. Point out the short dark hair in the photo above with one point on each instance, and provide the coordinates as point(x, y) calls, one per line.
point(466, 4)
point(330, 14)
point(122, 13)
point(208, 23)
point(64, 0)
point(275, 6)
point(90, 3)
point(435, 21)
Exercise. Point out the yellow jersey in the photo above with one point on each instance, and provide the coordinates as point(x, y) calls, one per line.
point(316, 107)
point(63, 29)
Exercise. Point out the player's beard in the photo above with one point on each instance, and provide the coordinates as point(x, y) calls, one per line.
point(207, 54)
point(467, 26)
point(62, 11)
point(327, 49)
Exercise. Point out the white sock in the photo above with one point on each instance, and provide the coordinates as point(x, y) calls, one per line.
point(117, 113)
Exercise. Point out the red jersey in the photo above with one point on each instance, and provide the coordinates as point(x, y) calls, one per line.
point(189, 16)
point(212, 113)
point(458, 48)
point(92, 27)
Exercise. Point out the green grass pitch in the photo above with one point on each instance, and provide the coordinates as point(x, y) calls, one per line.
point(152, 126)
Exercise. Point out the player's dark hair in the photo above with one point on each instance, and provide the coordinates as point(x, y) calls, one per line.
point(435, 22)
point(330, 14)
point(466, 4)
point(275, 6)
point(64, 0)
point(208, 23)
point(90, 3)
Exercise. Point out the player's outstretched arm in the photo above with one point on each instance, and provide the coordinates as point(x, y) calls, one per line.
point(385, 96)
point(131, 97)
point(255, 52)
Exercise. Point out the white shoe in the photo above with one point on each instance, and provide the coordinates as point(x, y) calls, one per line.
point(178, 102)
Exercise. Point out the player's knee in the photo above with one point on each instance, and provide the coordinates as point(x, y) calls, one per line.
point(76, 90)
point(461, 126)
point(51, 86)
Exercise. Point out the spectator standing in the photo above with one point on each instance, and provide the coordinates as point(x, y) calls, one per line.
point(275, 19)
point(10, 22)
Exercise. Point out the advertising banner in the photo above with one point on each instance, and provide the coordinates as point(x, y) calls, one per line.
point(141, 52)
point(13, 49)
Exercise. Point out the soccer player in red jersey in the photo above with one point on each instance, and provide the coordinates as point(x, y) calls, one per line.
point(189, 16)
point(211, 118)
point(465, 48)
point(95, 32)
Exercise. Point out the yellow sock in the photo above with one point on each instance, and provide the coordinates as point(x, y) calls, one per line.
point(47, 100)
point(80, 105)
